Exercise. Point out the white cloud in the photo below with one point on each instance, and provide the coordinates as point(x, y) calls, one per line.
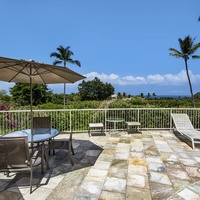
point(155, 79)
point(166, 79)
point(131, 80)
point(114, 79)
point(102, 77)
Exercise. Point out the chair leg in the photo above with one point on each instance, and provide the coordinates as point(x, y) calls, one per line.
point(70, 152)
point(72, 149)
point(31, 178)
point(72, 162)
point(52, 151)
point(46, 157)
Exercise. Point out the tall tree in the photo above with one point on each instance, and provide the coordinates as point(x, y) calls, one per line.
point(187, 48)
point(21, 94)
point(63, 56)
point(95, 90)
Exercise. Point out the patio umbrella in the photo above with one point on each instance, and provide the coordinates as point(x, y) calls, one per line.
point(22, 71)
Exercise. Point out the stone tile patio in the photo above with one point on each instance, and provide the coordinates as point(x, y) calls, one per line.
point(151, 165)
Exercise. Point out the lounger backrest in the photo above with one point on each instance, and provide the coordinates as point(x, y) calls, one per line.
point(182, 122)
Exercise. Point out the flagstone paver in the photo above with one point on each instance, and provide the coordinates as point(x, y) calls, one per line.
point(150, 165)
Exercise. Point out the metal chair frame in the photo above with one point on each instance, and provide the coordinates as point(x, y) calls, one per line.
point(15, 156)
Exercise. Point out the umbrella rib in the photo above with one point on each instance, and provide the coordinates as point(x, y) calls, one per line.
point(47, 71)
point(61, 76)
point(37, 73)
point(13, 68)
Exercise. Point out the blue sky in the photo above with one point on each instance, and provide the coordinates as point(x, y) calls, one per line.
point(125, 43)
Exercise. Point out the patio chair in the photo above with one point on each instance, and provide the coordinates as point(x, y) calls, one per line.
point(40, 123)
point(63, 144)
point(15, 156)
point(184, 126)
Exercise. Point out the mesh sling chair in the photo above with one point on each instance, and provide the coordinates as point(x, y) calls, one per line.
point(64, 144)
point(42, 125)
point(41, 122)
point(15, 156)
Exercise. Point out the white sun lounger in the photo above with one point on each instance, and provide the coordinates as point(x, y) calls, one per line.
point(184, 126)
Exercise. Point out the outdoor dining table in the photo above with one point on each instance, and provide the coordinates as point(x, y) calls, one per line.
point(40, 135)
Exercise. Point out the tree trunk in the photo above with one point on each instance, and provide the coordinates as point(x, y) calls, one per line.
point(186, 66)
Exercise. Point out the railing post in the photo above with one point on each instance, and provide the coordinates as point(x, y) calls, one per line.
point(105, 119)
point(170, 118)
point(70, 116)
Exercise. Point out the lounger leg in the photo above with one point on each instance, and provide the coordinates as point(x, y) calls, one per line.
point(193, 147)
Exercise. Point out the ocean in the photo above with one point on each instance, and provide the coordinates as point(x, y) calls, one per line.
point(169, 96)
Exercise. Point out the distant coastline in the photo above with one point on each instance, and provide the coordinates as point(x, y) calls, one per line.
point(169, 96)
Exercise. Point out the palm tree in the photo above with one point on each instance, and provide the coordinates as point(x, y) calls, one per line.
point(64, 56)
point(187, 48)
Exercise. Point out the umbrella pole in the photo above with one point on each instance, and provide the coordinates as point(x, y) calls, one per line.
point(31, 102)
point(31, 106)
point(64, 101)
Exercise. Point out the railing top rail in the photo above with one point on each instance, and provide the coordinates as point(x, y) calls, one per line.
point(100, 109)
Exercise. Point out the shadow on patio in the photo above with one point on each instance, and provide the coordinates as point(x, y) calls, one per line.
point(16, 186)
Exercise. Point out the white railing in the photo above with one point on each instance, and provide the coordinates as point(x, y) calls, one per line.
point(150, 118)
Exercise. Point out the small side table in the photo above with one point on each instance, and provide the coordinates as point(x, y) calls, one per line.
point(131, 125)
point(95, 126)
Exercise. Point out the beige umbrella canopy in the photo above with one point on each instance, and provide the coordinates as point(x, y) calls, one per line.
point(22, 71)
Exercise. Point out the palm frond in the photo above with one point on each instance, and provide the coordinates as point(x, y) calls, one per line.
point(67, 48)
point(69, 53)
point(196, 56)
point(78, 63)
point(74, 62)
point(57, 62)
point(176, 55)
point(175, 52)
point(53, 54)
point(194, 48)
